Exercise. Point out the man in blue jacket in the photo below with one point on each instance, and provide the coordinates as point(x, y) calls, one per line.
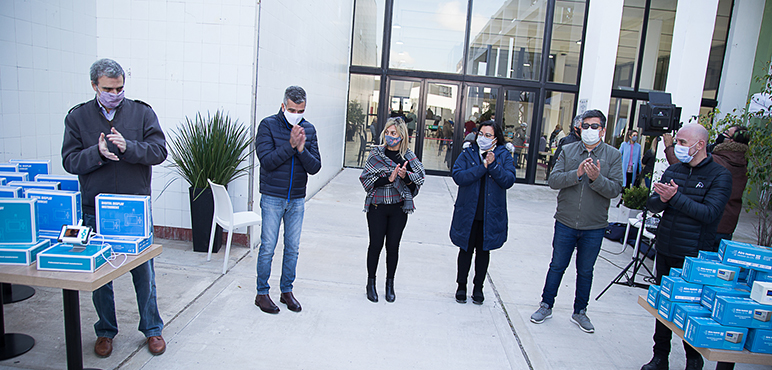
point(288, 152)
point(588, 174)
point(692, 194)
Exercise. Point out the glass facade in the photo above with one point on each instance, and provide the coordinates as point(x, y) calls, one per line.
point(717, 49)
point(566, 45)
point(368, 33)
point(361, 119)
point(507, 39)
point(427, 35)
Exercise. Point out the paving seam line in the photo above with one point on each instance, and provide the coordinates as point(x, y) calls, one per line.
point(132, 354)
point(511, 326)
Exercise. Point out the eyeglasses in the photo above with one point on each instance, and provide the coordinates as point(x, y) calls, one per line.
point(594, 126)
point(489, 136)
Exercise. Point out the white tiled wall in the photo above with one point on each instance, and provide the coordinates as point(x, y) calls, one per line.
point(46, 48)
point(181, 57)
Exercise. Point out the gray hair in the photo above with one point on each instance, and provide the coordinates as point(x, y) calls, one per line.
point(296, 94)
point(578, 120)
point(106, 67)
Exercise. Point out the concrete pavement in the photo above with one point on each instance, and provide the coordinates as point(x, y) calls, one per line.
point(212, 322)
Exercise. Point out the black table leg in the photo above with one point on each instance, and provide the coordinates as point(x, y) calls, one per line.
point(16, 292)
point(724, 365)
point(11, 344)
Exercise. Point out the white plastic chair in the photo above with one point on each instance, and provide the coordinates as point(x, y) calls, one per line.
point(224, 216)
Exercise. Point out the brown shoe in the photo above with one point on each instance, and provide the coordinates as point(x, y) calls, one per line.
point(292, 303)
point(103, 346)
point(266, 304)
point(156, 345)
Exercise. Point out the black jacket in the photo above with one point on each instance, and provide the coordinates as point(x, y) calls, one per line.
point(145, 147)
point(689, 222)
point(283, 171)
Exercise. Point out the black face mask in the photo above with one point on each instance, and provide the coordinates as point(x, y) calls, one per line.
point(720, 139)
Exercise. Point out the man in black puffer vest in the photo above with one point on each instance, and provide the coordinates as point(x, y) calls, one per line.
point(693, 194)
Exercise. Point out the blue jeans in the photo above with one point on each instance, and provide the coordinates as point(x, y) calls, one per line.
point(143, 276)
point(273, 210)
point(587, 244)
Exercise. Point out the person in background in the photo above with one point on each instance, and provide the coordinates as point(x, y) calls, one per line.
point(483, 172)
point(556, 135)
point(410, 121)
point(288, 151)
point(631, 159)
point(391, 178)
point(729, 151)
point(574, 136)
point(692, 195)
point(588, 175)
point(649, 160)
point(111, 143)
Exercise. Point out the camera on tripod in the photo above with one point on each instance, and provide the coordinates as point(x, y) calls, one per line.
point(659, 115)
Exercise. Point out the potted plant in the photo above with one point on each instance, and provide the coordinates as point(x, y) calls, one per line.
point(211, 147)
point(635, 198)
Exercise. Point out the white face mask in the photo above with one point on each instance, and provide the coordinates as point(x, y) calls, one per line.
point(484, 143)
point(682, 153)
point(590, 136)
point(293, 118)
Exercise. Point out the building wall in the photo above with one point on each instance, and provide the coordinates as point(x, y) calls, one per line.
point(181, 57)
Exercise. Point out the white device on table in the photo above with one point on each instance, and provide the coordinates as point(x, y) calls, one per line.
point(77, 235)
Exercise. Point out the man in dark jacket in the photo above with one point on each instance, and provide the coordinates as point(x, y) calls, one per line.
point(589, 175)
point(288, 152)
point(111, 143)
point(692, 195)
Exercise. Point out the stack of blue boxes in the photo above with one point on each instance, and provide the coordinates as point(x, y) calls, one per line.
point(19, 243)
point(710, 298)
point(124, 222)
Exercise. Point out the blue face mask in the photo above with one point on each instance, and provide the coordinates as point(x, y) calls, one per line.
point(392, 141)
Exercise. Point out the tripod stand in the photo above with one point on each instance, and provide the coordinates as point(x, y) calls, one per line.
point(636, 263)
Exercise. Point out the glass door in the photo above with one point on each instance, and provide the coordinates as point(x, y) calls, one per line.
point(429, 109)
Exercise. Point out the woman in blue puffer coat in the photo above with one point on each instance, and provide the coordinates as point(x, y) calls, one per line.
point(483, 172)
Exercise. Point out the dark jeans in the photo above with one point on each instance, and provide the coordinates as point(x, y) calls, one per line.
point(480, 262)
point(384, 221)
point(587, 244)
point(662, 334)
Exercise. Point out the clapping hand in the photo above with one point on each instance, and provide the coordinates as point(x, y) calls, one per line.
point(298, 137)
point(592, 169)
point(489, 158)
point(116, 138)
point(396, 172)
point(102, 145)
point(666, 191)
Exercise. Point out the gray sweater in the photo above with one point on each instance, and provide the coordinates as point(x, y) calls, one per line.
point(145, 147)
point(583, 203)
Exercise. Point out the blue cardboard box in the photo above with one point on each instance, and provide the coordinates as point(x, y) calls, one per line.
point(706, 333)
point(744, 312)
point(18, 222)
point(665, 308)
point(653, 296)
point(26, 185)
point(2, 180)
point(33, 166)
point(66, 257)
point(9, 167)
point(675, 272)
point(11, 192)
point(14, 176)
point(124, 244)
point(53, 237)
point(677, 289)
point(759, 340)
point(682, 311)
point(745, 255)
point(710, 256)
point(21, 254)
point(709, 294)
point(66, 182)
point(708, 272)
point(755, 275)
point(124, 215)
point(56, 208)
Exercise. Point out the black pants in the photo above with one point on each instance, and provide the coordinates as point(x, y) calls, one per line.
point(480, 262)
point(629, 183)
point(662, 334)
point(384, 221)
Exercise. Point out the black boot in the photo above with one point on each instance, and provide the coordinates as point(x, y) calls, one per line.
point(372, 295)
point(694, 362)
point(461, 293)
point(477, 294)
point(390, 290)
point(658, 362)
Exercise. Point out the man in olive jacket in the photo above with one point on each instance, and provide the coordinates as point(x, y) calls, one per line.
point(692, 194)
point(588, 174)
